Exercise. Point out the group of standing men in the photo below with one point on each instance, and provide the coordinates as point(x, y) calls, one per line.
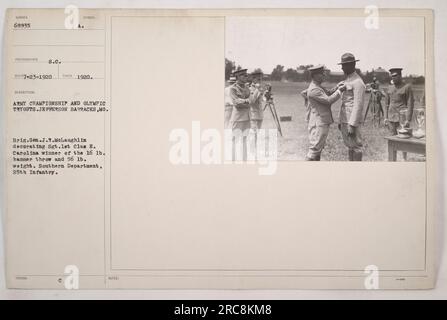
point(244, 112)
point(351, 91)
point(243, 101)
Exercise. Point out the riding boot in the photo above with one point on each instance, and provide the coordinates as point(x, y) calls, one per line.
point(358, 156)
point(351, 155)
point(317, 158)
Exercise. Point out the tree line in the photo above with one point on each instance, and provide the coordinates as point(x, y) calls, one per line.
point(302, 74)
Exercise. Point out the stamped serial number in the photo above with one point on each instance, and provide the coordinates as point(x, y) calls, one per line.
point(244, 309)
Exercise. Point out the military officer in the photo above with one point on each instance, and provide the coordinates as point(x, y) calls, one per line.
point(399, 97)
point(228, 102)
point(256, 95)
point(306, 100)
point(351, 110)
point(240, 117)
point(320, 114)
point(240, 95)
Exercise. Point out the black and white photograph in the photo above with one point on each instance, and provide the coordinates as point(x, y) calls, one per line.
point(334, 88)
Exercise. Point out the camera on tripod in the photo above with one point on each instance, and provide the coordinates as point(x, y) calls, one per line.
point(268, 92)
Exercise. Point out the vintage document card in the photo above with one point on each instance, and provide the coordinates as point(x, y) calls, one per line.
point(229, 149)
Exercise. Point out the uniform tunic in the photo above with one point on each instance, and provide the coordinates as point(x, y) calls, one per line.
point(256, 112)
point(320, 118)
point(399, 98)
point(351, 111)
point(240, 119)
point(240, 116)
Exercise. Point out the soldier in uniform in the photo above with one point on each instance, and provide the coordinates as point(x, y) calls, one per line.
point(228, 102)
point(399, 97)
point(256, 95)
point(240, 117)
point(351, 110)
point(240, 95)
point(375, 101)
point(320, 115)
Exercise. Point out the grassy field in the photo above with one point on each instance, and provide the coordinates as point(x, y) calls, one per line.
point(294, 144)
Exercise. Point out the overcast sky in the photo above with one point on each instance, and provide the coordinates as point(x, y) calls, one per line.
point(292, 41)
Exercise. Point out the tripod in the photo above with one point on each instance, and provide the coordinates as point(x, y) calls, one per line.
point(271, 105)
point(376, 107)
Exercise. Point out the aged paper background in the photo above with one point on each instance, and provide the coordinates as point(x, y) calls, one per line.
point(276, 232)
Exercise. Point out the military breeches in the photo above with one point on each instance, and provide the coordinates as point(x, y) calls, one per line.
point(353, 141)
point(241, 125)
point(317, 140)
point(228, 112)
point(256, 124)
point(240, 131)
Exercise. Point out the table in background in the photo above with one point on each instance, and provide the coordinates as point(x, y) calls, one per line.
point(411, 145)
